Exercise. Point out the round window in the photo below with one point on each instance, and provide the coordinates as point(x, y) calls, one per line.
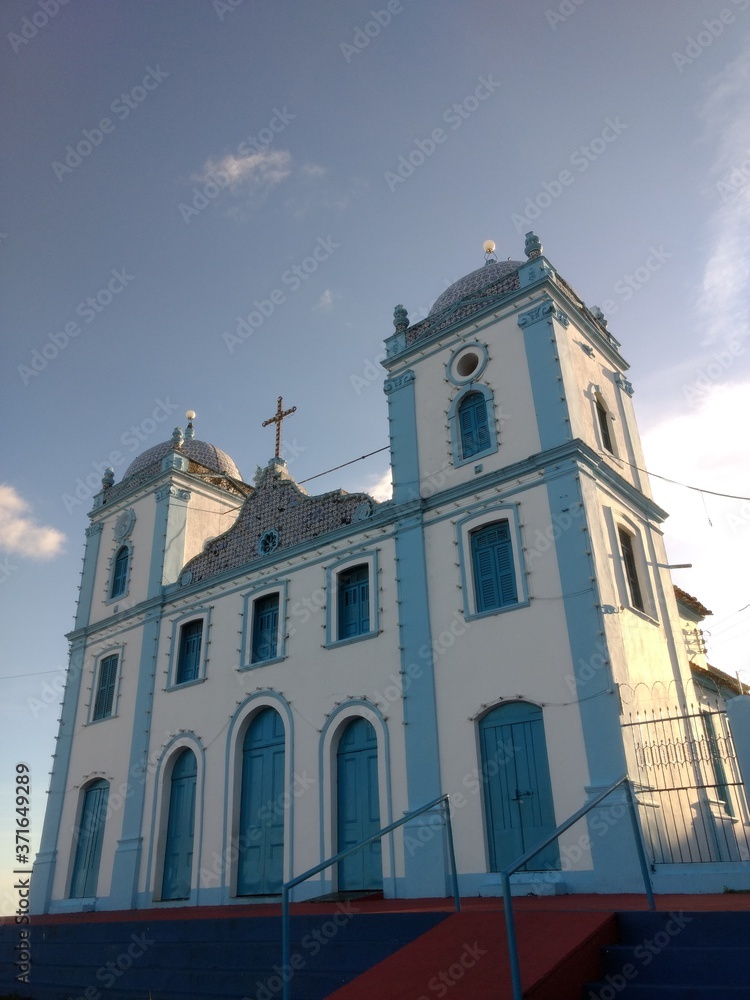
point(467, 363)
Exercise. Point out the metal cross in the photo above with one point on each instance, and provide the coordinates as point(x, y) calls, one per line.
point(276, 419)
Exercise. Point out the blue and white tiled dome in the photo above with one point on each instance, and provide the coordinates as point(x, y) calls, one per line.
point(475, 282)
point(198, 451)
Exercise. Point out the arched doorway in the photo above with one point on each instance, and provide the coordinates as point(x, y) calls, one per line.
point(358, 806)
point(260, 866)
point(90, 838)
point(178, 849)
point(517, 788)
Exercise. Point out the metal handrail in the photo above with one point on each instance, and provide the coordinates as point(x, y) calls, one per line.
point(515, 971)
point(442, 800)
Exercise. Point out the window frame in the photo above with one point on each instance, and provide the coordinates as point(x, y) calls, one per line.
point(178, 624)
point(457, 454)
point(466, 529)
point(604, 424)
point(334, 574)
point(97, 682)
point(112, 598)
point(249, 624)
point(77, 853)
point(624, 526)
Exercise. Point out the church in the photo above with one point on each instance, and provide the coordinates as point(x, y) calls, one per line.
point(260, 677)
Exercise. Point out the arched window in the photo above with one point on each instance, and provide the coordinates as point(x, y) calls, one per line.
point(120, 572)
point(473, 425)
point(90, 836)
point(493, 567)
point(178, 849)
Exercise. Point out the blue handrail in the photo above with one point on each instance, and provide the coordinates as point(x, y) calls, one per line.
point(515, 971)
point(442, 800)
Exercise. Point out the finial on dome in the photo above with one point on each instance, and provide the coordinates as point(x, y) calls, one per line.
point(489, 251)
point(533, 247)
point(177, 437)
point(400, 318)
point(190, 430)
point(108, 478)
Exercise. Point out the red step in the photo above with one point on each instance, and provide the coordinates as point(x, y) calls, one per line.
point(466, 957)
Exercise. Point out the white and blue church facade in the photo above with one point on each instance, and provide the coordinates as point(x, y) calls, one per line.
point(260, 677)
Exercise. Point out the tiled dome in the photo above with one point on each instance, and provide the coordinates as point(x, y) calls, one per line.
point(199, 451)
point(475, 282)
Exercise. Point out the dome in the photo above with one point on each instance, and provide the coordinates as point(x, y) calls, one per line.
point(481, 280)
point(199, 451)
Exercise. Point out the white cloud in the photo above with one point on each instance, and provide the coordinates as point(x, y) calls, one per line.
point(20, 534)
point(726, 112)
point(313, 170)
point(706, 448)
point(326, 300)
point(264, 169)
point(382, 488)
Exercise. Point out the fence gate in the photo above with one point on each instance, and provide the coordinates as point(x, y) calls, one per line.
point(693, 805)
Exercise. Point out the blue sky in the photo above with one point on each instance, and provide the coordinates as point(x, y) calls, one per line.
point(209, 205)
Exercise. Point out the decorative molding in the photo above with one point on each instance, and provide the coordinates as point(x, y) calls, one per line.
point(624, 384)
point(124, 524)
point(268, 542)
point(171, 491)
point(364, 511)
point(540, 312)
point(94, 529)
point(392, 384)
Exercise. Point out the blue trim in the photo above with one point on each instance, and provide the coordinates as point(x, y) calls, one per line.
point(402, 420)
point(547, 386)
point(246, 645)
point(88, 574)
point(44, 866)
point(464, 348)
point(613, 855)
point(195, 614)
point(168, 546)
point(470, 522)
point(126, 866)
point(332, 597)
point(453, 422)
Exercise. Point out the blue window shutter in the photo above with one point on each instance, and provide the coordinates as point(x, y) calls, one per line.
point(90, 837)
point(354, 602)
point(265, 628)
point(105, 691)
point(120, 573)
point(191, 636)
point(473, 425)
point(494, 572)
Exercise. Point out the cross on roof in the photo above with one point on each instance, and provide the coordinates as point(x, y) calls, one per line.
point(276, 419)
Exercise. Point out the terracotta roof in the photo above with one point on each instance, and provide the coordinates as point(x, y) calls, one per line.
point(691, 602)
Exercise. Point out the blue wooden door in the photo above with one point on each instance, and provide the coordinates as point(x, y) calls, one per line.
point(358, 806)
point(262, 807)
point(517, 788)
point(90, 837)
point(178, 850)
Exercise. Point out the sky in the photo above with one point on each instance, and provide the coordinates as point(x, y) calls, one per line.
point(213, 203)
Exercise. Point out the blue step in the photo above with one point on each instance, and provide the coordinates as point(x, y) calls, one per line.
point(201, 959)
point(661, 956)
